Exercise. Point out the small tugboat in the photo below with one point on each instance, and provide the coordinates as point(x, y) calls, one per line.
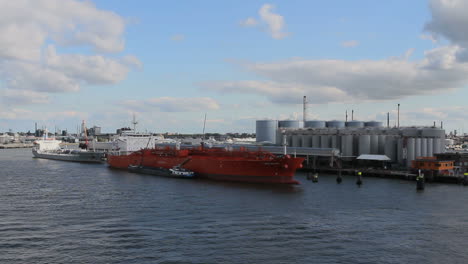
point(175, 172)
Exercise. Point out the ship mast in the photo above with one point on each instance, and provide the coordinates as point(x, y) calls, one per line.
point(134, 122)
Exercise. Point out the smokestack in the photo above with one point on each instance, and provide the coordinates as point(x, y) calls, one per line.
point(441, 124)
point(352, 115)
point(388, 119)
point(346, 116)
point(304, 114)
point(398, 116)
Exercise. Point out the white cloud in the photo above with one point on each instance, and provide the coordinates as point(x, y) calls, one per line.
point(27, 64)
point(449, 20)
point(340, 80)
point(350, 43)
point(173, 104)
point(273, 22)
point(17, 97)
point(178, 37)
point(248, 22)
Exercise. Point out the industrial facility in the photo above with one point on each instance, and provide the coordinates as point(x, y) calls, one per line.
point(353, 138)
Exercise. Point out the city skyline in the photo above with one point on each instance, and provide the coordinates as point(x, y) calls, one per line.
point(169, 63)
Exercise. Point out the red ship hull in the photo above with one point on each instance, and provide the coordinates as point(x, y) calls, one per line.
point(217, 164)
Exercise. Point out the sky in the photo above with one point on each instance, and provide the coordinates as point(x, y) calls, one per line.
point(171, 62)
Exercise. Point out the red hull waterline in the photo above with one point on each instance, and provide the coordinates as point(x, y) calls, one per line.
point(217, 164)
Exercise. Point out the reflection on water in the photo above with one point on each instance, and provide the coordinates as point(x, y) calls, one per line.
point(62, 212)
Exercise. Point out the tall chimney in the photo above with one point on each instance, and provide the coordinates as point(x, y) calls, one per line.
point(388, 119)
point(304, 114)
point(346, 115)
point(352, 115)
point(398, 116)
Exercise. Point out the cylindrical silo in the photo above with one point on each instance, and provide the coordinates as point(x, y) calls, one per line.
point(289, 124)
point(296, 140)
point(279, 137)
point(373, 124)
point(410, 147)
point(381, 149)
point(364, 146)
point(289, 140)
point(314, 124)
point(424, 147)
point(401, 156)
point(335, 124)
point(374, 144)
point(306, 141)
point(324, 141)
point(417, 148)
point(266, 130)
point(390, 148)
point(316, 141)
point(436, 145)
point(354, 123)
point(442, 145)
point(347, 145)
point(335, 143)
point(430, 147)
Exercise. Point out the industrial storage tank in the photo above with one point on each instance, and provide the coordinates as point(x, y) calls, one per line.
point(417, 147)
point(306, 141)
point(410, 145)
point(266, 130)
point(316, 141)
point(347, 145)
point(324, 141)
point(314, 124)
point(335, 142)
point(296, 140)
point(364, 144)
point(400, 155)
point(436, 145)
point(410, 132)
point(373, 124)
point(374, 144)
point(335, 124)
point(391, 148)
point(433, 132)
point(430, 147)
point(289, 124)
point(381, 144)
point(354, 123)
point(424, 147)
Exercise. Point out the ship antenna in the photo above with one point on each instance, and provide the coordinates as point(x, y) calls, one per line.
point(134, 122)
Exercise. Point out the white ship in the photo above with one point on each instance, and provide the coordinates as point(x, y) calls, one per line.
point(50, 149)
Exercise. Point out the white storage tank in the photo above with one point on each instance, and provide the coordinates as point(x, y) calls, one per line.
point(354, 123)
point(315, 124)
point(289, 124)
point(316, 141)
point(364, 144)
point(324, 141)
point(417, 147)
point(347, 146)
point(410, 147)
point(306, 141)
point(373, 124)
point(374, 144)
point(424, 147)
point(390, 148)
point(436, 146)
point(335, 124)
point(266, 130)
point(296, 140)
point(430, 147)
point(335, 143)
point(381, 144)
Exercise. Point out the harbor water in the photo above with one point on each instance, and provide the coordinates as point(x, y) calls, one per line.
point(63, 212)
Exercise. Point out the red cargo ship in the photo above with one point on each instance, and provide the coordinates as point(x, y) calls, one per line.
point(216, 163)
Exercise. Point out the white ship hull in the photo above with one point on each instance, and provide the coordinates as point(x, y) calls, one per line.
point(81, 156)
